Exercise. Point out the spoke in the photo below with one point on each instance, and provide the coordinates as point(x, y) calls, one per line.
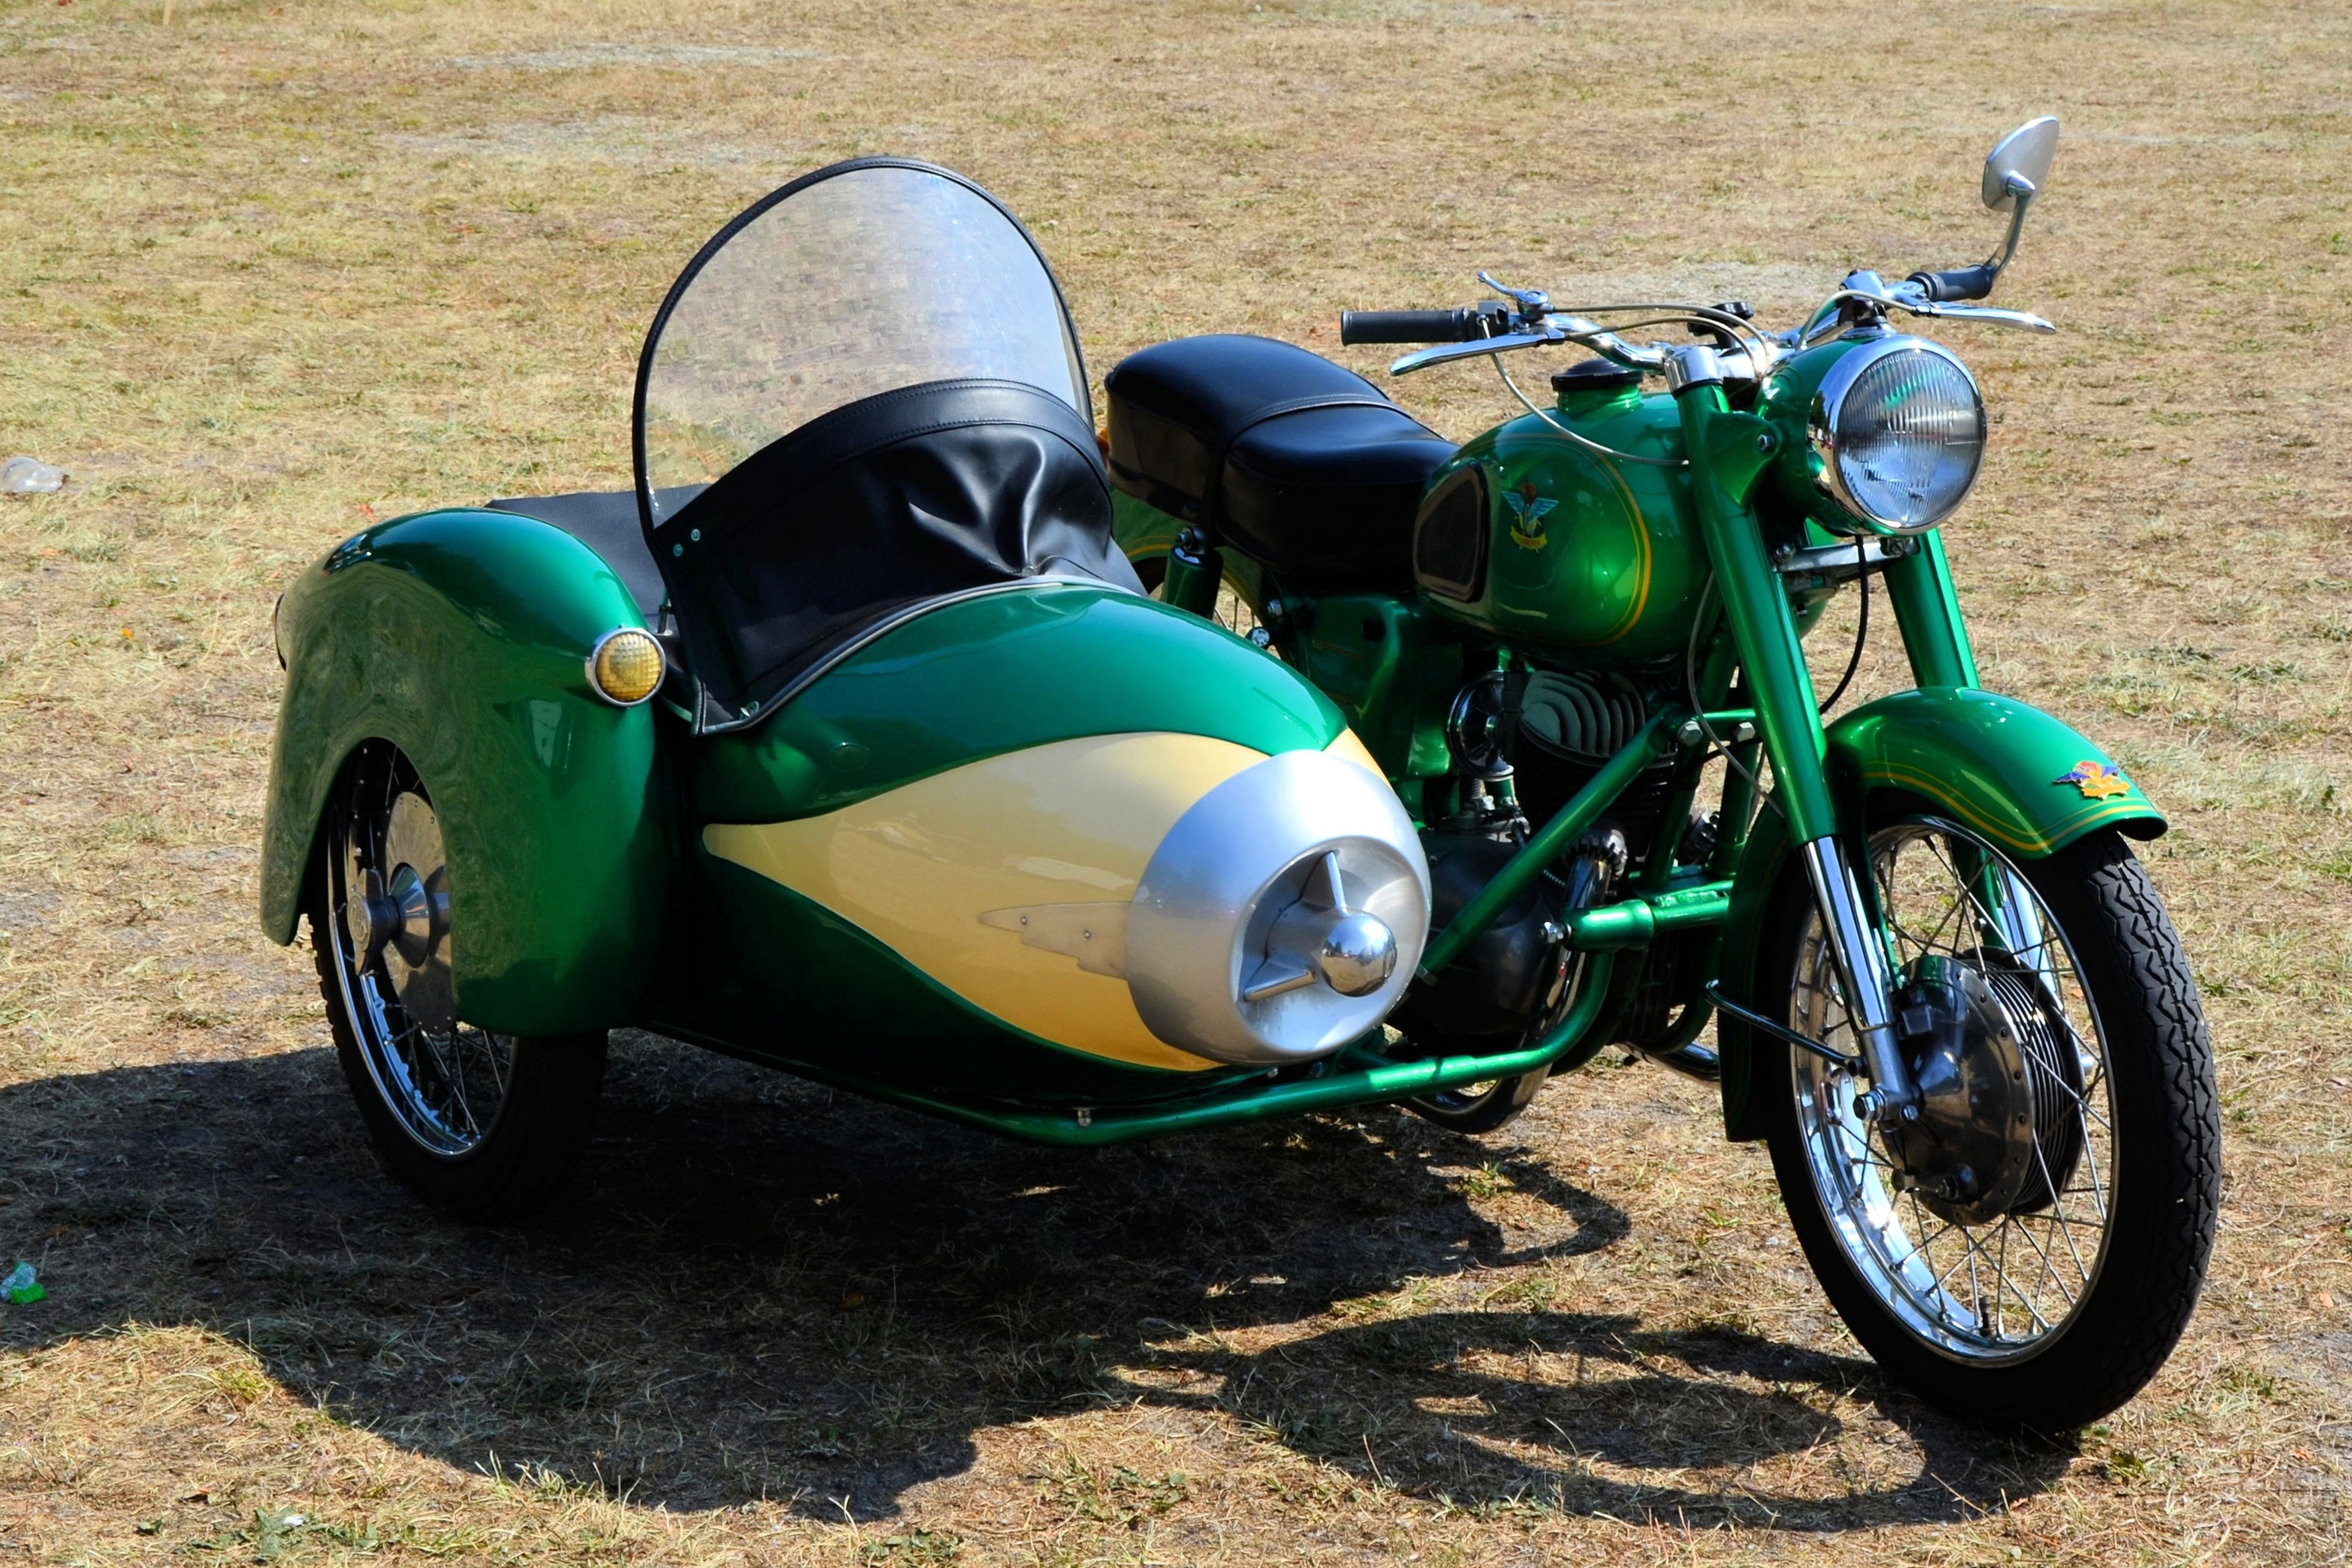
point(1946, 1227)
point(2049, 1268)
point(2000, 1268)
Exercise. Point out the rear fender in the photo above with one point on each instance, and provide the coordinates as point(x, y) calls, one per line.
point(462, 638)
point(2028, 783)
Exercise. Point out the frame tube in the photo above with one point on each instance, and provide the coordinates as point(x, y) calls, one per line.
point(1598, 794)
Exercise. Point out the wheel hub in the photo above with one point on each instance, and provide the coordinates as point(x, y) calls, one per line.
point(1969, 1153)
point(409, 920)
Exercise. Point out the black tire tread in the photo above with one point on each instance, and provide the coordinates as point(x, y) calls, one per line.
point(2169, 1152)
point(534, 1152)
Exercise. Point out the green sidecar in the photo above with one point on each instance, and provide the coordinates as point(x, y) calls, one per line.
point(847, 743)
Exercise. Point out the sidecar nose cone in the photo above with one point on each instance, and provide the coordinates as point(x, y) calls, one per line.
point(1357, 955)
point(1281, 915)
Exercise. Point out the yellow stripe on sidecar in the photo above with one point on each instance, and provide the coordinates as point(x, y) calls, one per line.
point(1072, 822)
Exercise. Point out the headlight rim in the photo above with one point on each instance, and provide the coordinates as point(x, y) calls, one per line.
point(1829, 406)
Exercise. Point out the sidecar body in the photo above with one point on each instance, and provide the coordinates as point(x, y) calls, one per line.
point(846, 741)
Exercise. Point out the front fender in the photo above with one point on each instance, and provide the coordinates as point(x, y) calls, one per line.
point(2028, 783)
point(462, 638)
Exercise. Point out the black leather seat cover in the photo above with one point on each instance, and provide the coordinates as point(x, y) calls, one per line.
point(880, 505)
point(1300, 462)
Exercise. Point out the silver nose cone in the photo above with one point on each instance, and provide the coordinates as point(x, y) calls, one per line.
point(1357, 955)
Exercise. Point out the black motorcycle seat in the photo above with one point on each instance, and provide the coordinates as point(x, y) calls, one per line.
point(1300, 462)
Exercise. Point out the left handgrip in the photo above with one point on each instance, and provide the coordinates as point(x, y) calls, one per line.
point(1459, 326)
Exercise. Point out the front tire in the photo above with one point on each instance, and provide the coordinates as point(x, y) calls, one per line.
point(483, 1125)
point(2050, 1303)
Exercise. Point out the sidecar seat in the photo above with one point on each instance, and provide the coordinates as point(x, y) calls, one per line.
point(1301, 462)
point(606, 522)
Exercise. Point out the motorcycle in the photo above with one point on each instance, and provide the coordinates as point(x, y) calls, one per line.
point(850, 741)
point(1944, 992)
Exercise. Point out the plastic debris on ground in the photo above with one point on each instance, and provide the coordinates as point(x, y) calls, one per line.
point(21, 1288)
point(30, 476)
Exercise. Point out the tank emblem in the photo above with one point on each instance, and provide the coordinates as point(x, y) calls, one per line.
point(1528, 511)
point(2097, 781)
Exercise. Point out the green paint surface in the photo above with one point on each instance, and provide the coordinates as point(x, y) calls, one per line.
point(763, 972)
point(1586, 553)
point(1001, 673)
point(462, 638)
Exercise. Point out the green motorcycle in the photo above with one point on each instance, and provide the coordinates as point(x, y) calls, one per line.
point(1942, 988)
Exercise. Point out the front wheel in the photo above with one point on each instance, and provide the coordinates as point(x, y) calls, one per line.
point(485, 1125)
point(2028, 1250)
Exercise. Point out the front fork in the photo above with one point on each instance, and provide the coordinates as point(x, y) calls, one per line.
point(1729, 452)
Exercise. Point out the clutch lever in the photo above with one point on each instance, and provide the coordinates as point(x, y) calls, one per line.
point(1542, 336)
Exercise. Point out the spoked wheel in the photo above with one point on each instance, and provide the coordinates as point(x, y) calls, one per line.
point(2027, 1250)
point(483, 1124)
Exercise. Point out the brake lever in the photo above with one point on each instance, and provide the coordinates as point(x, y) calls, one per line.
point(1999, 318)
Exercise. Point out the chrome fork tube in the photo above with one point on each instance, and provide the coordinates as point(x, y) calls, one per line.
point(1861, 961)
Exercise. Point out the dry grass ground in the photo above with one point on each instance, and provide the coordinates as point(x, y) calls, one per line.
point(274, 269)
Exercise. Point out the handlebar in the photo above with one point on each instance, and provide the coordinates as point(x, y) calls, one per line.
point(1959, 283)
point(1467, 324)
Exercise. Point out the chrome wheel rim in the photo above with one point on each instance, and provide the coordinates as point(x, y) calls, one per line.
point(444, 1080)
point(2001, 1288)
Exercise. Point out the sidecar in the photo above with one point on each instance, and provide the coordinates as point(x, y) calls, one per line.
point(847, 741)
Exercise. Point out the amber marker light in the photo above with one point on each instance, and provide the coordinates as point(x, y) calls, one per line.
point(627, 667)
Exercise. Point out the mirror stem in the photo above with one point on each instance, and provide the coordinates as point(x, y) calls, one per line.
point(2021, 187)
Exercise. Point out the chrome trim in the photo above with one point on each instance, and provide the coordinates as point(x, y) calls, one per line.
point(1861, 969)
point(1282, 916)
point(1829, 406)
point(1824, 565)
point(1693, 365)
point(596, 686)
point(888, 624)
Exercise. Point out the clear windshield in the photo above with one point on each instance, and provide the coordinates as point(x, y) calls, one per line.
point(862, 282)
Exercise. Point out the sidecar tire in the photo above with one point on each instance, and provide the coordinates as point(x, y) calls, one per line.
point(483, 1125)
point(2167, 1178)
point(529, 1157)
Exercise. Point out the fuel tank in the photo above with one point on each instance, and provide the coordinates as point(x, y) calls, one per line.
point(1546, 544)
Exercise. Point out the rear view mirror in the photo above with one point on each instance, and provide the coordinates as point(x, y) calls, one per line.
point(2026, 154)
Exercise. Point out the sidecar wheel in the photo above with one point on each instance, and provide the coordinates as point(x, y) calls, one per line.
point(2046, 1293)
point(483, 1125)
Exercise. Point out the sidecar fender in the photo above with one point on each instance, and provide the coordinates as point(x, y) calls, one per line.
point(462, 638)
point(2028, 783)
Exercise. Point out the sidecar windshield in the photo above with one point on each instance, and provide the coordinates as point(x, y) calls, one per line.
point(853, 281)
point(862, 398)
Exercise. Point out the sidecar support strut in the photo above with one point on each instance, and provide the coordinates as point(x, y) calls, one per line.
point(1376, 1085)
point(1631, 924)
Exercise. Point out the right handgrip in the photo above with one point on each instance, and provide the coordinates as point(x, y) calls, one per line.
point(1465, 325)
point(1960, 283)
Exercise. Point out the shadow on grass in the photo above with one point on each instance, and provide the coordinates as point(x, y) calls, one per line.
point(768, 1290)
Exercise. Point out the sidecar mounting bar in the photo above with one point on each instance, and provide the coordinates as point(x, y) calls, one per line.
point(1373, 1085)
point(1636, 922)
point(1664, 732)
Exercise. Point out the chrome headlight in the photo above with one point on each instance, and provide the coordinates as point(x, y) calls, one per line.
point(1900, 429)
